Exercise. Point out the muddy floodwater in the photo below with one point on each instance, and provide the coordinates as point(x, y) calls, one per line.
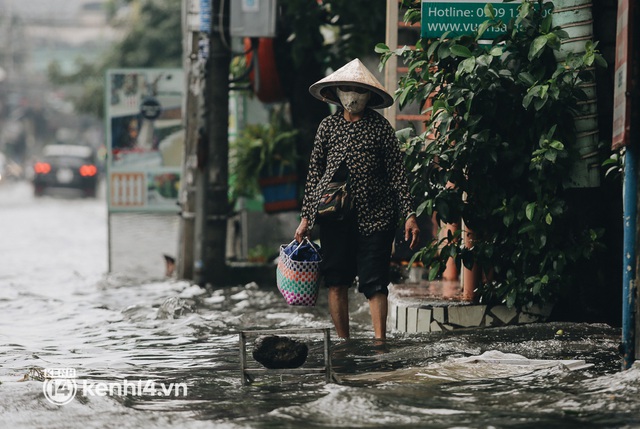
point(59, 310)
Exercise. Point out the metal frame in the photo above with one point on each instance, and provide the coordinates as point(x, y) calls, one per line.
point(246, 373)
point(391, 69)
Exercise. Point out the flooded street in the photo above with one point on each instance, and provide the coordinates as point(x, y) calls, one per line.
point(59, 309)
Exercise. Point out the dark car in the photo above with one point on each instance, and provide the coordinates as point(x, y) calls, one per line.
point(66, 166)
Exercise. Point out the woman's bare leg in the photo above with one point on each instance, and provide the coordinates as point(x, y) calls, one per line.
point(339, 309)
point(379, 307)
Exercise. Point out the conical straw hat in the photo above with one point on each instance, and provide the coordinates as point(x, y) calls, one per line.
point(353, 73)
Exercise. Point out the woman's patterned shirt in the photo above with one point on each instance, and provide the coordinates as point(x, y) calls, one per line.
point(377, 175)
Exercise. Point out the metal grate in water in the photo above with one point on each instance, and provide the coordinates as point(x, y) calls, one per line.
point(247, 374)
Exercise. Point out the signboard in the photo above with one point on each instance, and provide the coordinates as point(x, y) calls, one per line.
point(252, 18)
point(622, 83)
point(145, 136)
point(205, 16)
point(464, 17)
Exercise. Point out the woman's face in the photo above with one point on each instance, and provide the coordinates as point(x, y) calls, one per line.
point(353, 98)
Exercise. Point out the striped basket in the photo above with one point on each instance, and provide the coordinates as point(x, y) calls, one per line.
point(298, 281)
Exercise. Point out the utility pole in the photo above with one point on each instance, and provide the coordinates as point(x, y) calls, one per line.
point(187, 196)
point(634, 137)
point(215, 169)
point(626, 113)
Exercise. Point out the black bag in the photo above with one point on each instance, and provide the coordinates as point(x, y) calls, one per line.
point(336, 202)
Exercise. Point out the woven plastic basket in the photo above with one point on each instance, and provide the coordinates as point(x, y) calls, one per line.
point(298, 281)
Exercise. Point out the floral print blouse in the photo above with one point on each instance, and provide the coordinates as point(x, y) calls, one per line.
point(377, 175)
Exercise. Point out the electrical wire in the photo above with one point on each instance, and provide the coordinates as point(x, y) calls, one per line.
point(223, 37)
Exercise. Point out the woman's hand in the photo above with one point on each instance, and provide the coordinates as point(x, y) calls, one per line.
point(412, 231)
point(302, 230)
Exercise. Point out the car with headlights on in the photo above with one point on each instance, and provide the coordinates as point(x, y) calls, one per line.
point(68, 167)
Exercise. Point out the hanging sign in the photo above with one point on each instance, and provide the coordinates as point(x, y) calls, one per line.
point(622, 83)
point(464, 17)
point(145, 136)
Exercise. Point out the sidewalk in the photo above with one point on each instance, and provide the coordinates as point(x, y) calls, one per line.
point(438, 306)
point(419, 306)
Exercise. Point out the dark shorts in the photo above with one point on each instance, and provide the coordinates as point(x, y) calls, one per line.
point(346, 254)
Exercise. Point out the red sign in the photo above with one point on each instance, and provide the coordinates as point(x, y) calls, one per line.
point(622, 82)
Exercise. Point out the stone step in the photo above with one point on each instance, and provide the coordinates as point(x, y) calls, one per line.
point(438, 306)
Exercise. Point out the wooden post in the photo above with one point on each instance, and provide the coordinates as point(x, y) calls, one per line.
point(390, 70)
point(470, 277)
point(451, 271)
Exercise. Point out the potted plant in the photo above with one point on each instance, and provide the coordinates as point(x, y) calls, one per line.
point(263, 160)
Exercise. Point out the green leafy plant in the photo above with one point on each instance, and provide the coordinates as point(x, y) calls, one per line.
point(614, 165)
point(260, 254)
point(497, 151)
point(262, 150)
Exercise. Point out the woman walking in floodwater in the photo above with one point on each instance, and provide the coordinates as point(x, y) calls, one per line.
point(357, 146)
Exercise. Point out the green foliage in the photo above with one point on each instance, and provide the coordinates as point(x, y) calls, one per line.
point(261, 254)
point(153, 38)
point(332, 31)
point(262, 150)
point(614, 165)
point(497, 151)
